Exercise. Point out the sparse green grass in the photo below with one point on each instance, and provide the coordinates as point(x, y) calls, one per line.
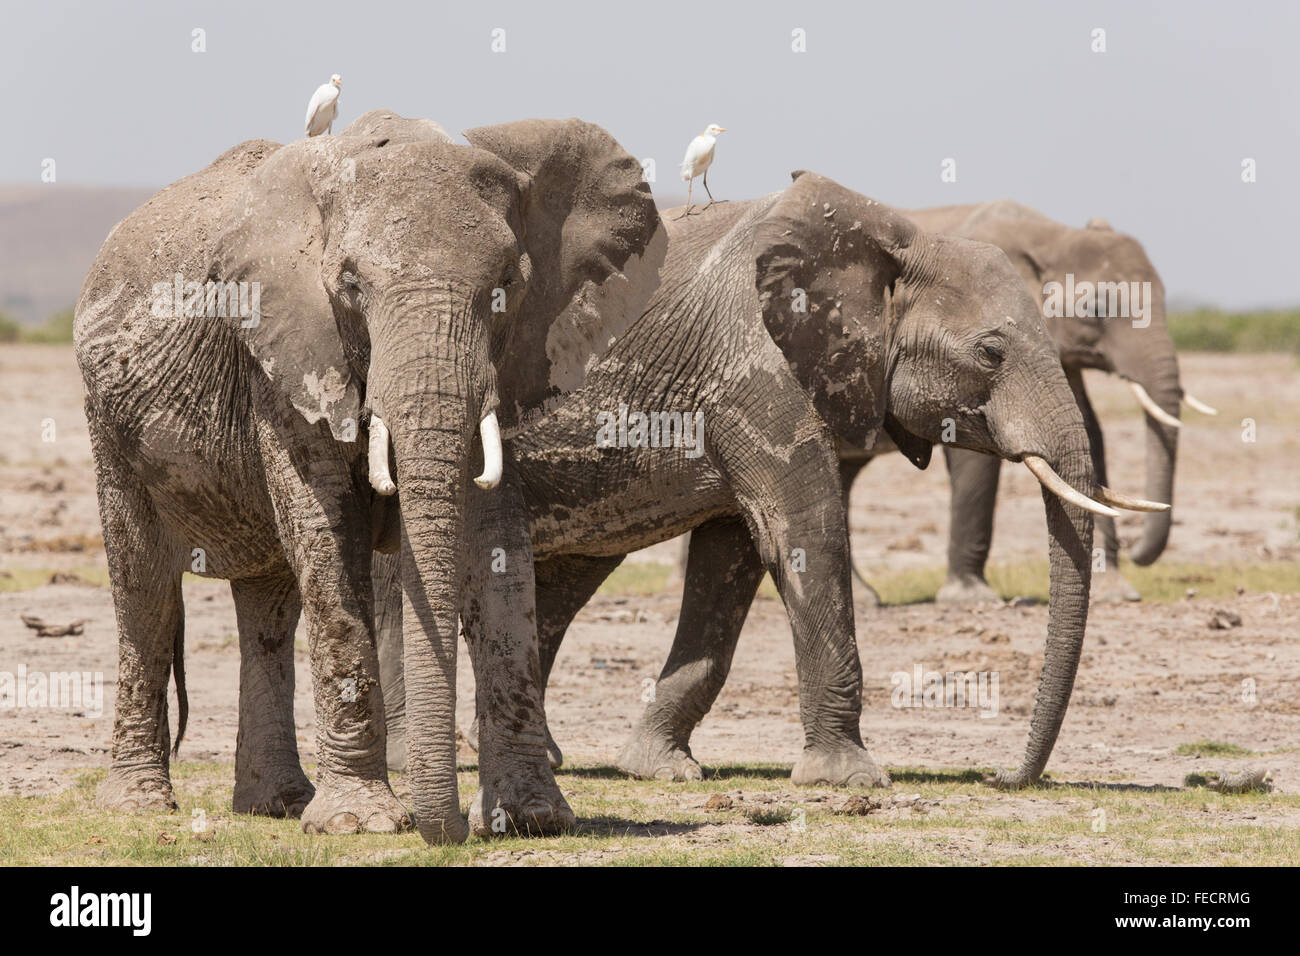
point(56, 330)
point(636, 579)
point(25, 579)
point(1162, 582)
point(639, 823)
point(770, 818)
point(1210, 330)
point(1212, 748)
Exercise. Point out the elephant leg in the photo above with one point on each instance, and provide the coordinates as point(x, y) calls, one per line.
point(974, 481)
point(268, 775)
point(1108, 585)
point(850, 468)
point(144, 568)
point(794, 507)
point(517, 789)
point(385, 572)
point(723, 572)
point(322, 514)
point(565, 583)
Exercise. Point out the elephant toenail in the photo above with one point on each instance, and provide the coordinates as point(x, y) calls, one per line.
point(343, 823)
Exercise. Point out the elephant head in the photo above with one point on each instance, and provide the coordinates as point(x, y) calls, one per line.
point(454, 290)
point(935, 338)
point(1105, 305)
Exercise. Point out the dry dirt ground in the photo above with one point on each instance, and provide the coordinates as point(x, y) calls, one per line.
point(1153, 675)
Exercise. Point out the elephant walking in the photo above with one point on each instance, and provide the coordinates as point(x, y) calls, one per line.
point(388, 284)
point(781, 325)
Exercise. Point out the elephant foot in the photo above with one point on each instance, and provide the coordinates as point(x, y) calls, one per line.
point(965, 590)
point(286, 795)
point(846, 766)
point(136, 791)
point(344, 805)
point(553, 754)
point(1109, 587)
point(647, 757)
point(521, 805)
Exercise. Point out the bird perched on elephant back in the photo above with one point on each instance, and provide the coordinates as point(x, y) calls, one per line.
point(235, 335)
point(1104, 304)
point(782, 325)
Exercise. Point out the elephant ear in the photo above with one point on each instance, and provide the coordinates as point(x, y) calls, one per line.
point(826, 258)
point(275, 238)
point(596, 244)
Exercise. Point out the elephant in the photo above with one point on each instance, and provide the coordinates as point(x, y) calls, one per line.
point(386, 287)
point(1138, 349)
point(783, 326)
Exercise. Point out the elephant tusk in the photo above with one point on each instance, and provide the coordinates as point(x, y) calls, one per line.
point(1151, 408)
point(1108, 497)
point(490, 432)
point(1059, 487)
point(380, 479)
point(1197, 405)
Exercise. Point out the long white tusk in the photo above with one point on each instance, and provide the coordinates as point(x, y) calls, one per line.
point(1151, 408)
point(1059, 487)
point(490, 432)
point(380, 479)
point(1108, 497)
point(1197, 405)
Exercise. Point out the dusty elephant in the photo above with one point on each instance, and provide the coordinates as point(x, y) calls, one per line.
point(451, 289)
point(781, 325)
point(1097, 269)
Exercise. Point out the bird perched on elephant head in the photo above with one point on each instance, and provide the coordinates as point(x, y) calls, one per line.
point(324, 107)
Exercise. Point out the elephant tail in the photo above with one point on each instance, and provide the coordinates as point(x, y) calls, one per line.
point(182, 696)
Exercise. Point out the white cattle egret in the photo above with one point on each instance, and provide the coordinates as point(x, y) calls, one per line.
point(324, 106)
point(699, 157)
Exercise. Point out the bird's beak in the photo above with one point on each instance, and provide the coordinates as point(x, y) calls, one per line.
point(722, 129)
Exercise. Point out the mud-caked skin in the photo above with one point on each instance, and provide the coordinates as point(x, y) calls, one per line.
point(401, 274)
point(1137, 348)
point(788, 323)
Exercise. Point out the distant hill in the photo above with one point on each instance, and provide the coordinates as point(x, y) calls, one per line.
point(49, 235)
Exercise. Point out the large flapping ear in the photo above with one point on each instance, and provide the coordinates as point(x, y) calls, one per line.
point(595, 243)
point(274, 240)
point(826, 258)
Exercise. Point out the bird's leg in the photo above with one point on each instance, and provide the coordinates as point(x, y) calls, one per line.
point(706, 189)
point(687, 211)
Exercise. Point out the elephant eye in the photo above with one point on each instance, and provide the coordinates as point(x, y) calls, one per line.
point(992, 354)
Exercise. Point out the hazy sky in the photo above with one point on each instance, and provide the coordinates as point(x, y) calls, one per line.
point(1150, 134)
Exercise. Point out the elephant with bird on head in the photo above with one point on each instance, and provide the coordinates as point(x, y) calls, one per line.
point(783, 327)
point(389, 275)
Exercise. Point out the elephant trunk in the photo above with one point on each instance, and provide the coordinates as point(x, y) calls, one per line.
point(1069, 529)
point(431, 365)
point(1160, 379)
